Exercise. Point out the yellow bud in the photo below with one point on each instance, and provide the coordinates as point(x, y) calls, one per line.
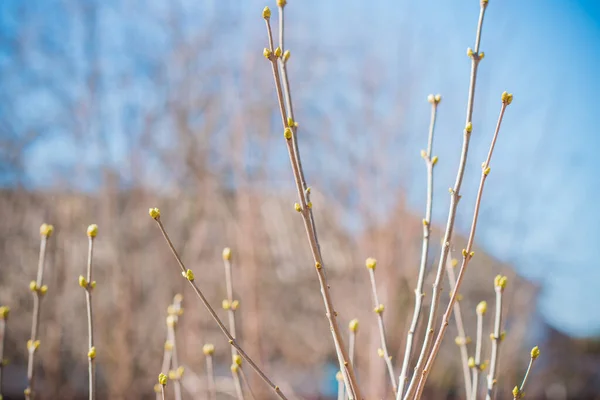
point(459, 341)
point(504, 96)
point(535, 352)
point(287, 133)
point(509, 98)
point(92, 230)
point(154, 213)
point(46, 230)
point(162, 379)
point(171, 321)
point(423, 154)
point(82, 281)
point(180, 371)
point(27, 392)
point(92, 353)
point(464, 252)
point(286, 55)
point(318, 265)
point(290, 121)
point(208, 349)
point(33, 286)
point(471, 254)
point(469, 127)
point(237, 359)
point(438, 98)
point(267, 53)
point(481, 55)
point(454, 262)
point(469, 52)
point(471, 362)
point(486, 171)
point(502, 335)
point(281, 3)
point(226, 254)
point(425, 223)
point(380, 352)
point(434, 160)
point(33, 345)
point(234, 368)
point(481, 308)
point(353, 325)
point(43, 290)
point(93, 284)
point(278, 52)
point(225, 304)
point(500, 281)
point(339, 376)
point(515, 391)
point(189, 275)
point(235, 304)
point(297, 207)
point(379, 309)
point(371, 263)
point(171, 310)
point(309, 204)
point(4, 311)
point(483, 366)
point(168, 345)
point(459, 297)
point(431, 98)
point(172, 375)
point(266, 13)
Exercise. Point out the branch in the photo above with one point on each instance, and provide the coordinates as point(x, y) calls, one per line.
point(519, 392)
point(476, 365)
point(189, 275)
point(231, 306)
point(88, 284)
point(304, 207)
point(468, 252)
point(462, 339)
point(419, 294)
point(4, 312)
point(371, 264)
point(208, 350)
point(497, 336)
point(38, 289)
point(476, 57)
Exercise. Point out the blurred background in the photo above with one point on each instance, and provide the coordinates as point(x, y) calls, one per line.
point(110, 107)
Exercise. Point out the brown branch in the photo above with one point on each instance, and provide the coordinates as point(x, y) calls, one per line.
point(38, 289)
point(231, 306)
point(189, 275)
point(497, 336)
point(462, 339)
point(208, 350)
point(476, 366)
point(90, 284)
point(454, 199)
point(419, 294)
point(371, 264)
point(305, 210)
point(467, 252)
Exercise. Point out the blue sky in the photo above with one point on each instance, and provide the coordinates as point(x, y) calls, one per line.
point(539, 208)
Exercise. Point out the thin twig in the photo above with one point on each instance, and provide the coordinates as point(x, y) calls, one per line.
point(38, 290)
point(477, 367)
point(174, 370)
point(461, 340)
point(353, 330)
point(371, 264)
point(4, 312)
point(231, 306)
point(340, 381)
point(208, 350)
point(467, 252)
point(497, 336)
point(90, 284)
point(305, 209)
point(519, 392)
point(189, 275)
point(454, 198)
point(419, 294)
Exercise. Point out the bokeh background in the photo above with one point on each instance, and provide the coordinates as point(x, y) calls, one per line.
point(110, 107)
